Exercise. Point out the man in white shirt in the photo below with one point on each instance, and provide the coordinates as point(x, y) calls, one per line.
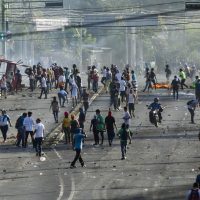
point(28, 125)
point(122, 89)
point(39, 135)
point(126, 117)
point(43, 87)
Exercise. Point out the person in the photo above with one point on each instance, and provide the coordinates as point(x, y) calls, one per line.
point(197, 88)
point(110, 124)
point(28, 124)
point(62, 96)
point(192, 104)
point(74, 125)
point(39, 135)
point(100, 125)
point(43, 87)
point(67, 73)
point(66, 125)
point(131, 103)
point(126, 117)
point(148, 80)
point(78, 145)
point(175, 87)
point(18, 81)
point(93, 126)
point(108, 79)
point(20, 129)
point(194, 193)
point(55, 108)
point(74, 94)
point(122, 89)
point(104, 73)
point(95, 79)
point(4, 86)
point(89, 77)
point(124, 135)
point(81, 118)
point(182, 75)
point(153, 78)
point(4, 121)
point(61, 80)
point(85, 98)
point(114, 94)
point(168, 72)
point(156, 106)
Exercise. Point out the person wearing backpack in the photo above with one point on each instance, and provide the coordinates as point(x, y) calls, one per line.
point(192, 104)
point(175, 87)
point(4, 121)
point(21, 130)
point(55, 108)
point(194, 193)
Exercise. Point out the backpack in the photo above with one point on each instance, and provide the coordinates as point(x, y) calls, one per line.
point(189, 102)
point(18, 123)
point(194, 195)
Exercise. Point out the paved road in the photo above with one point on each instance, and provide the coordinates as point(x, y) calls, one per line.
point(161, 163)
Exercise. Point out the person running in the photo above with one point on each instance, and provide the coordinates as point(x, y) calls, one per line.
point(100, 125)
point(93, 127)
point(148, 81)
point(78, 146)
point(62, 96)
point(131, 103)
point(122, 89)
point(66, 125)
point(193, 193)
point(28, 125)
point(39, 135)
point(175, 87)
point(20, 129)
point(110, 124)
point(182, 75)
point(153, 78)
point(4, 122)
point(55, 108)
point(124, 135)
point(192, 104)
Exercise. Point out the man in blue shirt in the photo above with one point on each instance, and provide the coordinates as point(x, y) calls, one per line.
point(62, 95)
point(156, 106)
point(78, 145)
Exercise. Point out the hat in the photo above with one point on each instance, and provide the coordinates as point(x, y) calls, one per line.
point(66, 113)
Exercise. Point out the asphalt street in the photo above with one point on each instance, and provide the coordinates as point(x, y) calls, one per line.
point(161, 163)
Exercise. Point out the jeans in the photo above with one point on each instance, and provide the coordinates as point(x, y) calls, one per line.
point(175, 93)
point(43, 90)
point(95, 86)
point(102, 136)
point(192, 114)
point(4, 130)
point(61, 98)
point(32, 138)
point(38, 145)
point(21, 136)
point(67, 134)
point(123, 148)
point(111, 135)
point(55, 114)
point(77, 157)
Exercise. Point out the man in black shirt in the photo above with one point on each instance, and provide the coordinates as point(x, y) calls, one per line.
point(110, 124)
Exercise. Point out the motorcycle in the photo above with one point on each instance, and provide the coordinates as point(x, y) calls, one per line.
point(153, 117)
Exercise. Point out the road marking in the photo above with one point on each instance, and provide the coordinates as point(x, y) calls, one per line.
point(61, 188)
point(61, 193)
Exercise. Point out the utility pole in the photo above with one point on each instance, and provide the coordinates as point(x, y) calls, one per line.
point(3, 26)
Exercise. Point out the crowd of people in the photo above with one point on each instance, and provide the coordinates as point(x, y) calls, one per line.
point(122, 87)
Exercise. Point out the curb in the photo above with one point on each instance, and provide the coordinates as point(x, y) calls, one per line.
point(56, 135)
